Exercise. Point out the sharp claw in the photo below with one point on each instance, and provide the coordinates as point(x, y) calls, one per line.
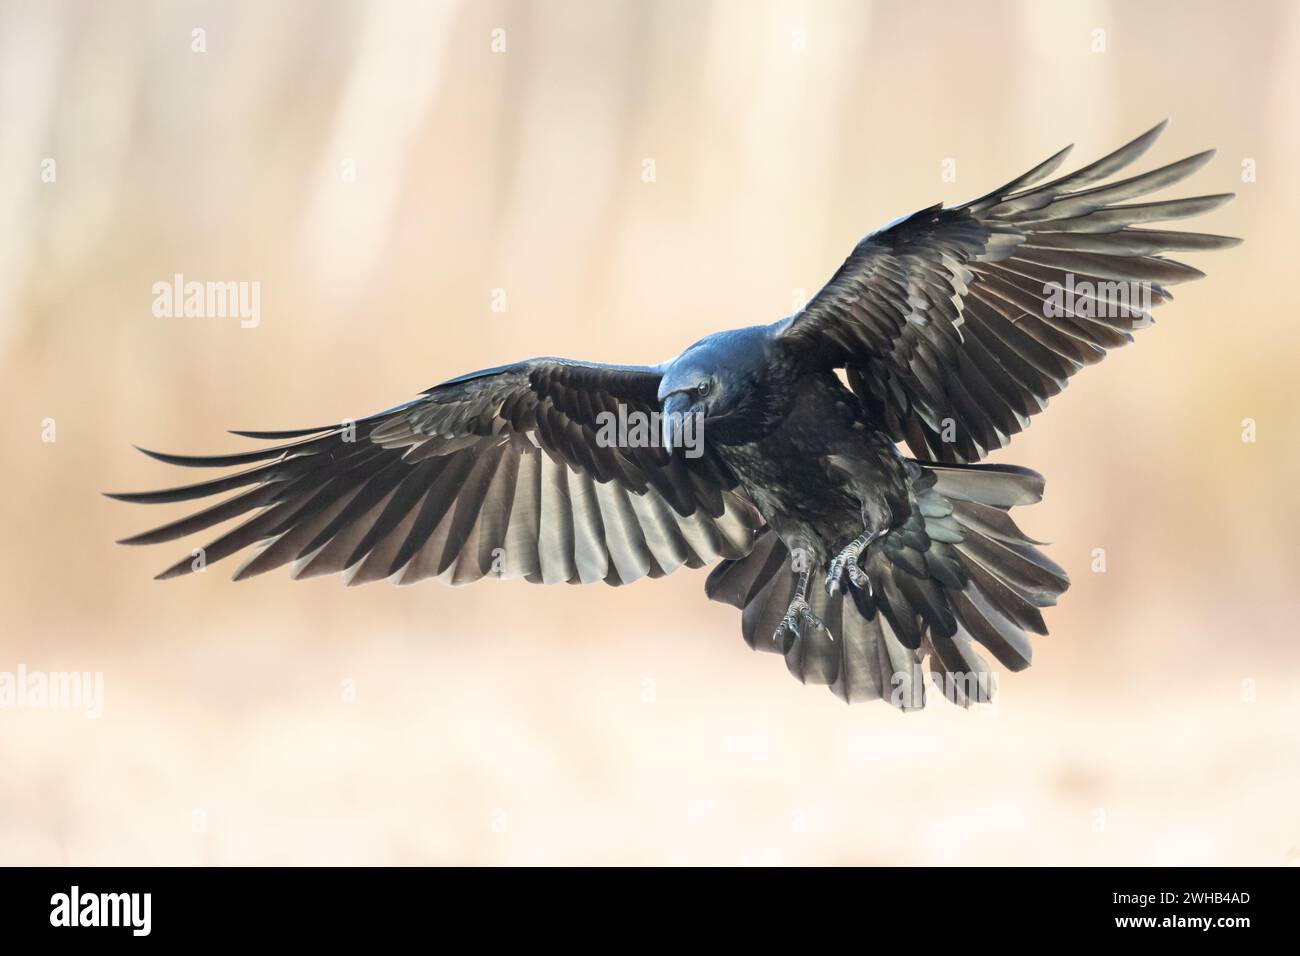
point(796, 615)
point(833, 574)
point(805, 613)
point(845, 564)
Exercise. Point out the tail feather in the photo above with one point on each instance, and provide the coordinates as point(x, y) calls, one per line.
point(866, 660)
point(957, 575)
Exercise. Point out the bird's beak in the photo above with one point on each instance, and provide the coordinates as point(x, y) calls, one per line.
point(675, 409)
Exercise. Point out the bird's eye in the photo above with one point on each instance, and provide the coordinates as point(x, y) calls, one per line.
point(702, 389)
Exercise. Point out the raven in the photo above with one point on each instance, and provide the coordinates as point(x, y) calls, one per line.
point(946, 331)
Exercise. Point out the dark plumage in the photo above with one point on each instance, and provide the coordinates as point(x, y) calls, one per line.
point(951, 331)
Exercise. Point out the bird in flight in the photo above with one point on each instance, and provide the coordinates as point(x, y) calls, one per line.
point(771, 452)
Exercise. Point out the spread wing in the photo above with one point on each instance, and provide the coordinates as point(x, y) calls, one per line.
point(505, 472)
point(956, 325)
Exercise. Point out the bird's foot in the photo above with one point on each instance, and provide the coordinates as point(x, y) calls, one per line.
point(846, 564)
point(796, 615)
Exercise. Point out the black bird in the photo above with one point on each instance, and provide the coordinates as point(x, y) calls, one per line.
point(951, 328)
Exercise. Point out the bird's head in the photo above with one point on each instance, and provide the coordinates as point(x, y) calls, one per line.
point(712, 382)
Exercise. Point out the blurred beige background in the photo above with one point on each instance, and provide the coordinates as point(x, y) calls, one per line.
point(508, 723)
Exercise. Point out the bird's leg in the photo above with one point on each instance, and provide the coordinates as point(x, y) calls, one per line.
point(799, 613)
point(847, 562)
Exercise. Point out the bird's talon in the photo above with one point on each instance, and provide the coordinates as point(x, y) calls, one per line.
point(845, 564)
point(796, 615)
